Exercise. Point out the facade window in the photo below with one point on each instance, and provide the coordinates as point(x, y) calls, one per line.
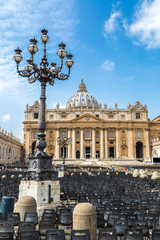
point(87, 134)
point(110, 116)
point(97, 134)
point(51, 116)
point(63, 116)
point(77, 115)
point(97, 142)
point(123, 134)
point(10, 149)
point(63, 134)
point(111, 134)
point(77, 134)
point(138, 116)
point(35, 115)
point(35, 134)
point(97, 115)
point(51, 134)
point(122, 117)
point(138, 134)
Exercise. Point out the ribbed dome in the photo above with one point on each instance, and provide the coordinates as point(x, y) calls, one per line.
point(82, 98)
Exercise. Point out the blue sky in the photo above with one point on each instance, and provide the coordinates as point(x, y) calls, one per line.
point(116, 48)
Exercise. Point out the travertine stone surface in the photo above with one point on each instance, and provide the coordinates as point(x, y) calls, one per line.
point(26, 204)
point(40, 191)
point(84, 217)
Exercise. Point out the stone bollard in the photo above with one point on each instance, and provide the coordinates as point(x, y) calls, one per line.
point(155, 176)
point(84, 217)
point(26, 204)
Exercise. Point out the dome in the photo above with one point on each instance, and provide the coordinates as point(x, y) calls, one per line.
point(82, 98)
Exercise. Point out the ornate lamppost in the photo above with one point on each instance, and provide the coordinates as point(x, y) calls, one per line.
point(64, 141)
point(40, 164)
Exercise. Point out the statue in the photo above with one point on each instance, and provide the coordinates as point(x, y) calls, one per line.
point(129, 105)
point(57, 106)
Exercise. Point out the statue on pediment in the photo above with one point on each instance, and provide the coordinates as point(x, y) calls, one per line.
point(57, 106)
point(129, 105)
point(35, 106)
point(138, 106)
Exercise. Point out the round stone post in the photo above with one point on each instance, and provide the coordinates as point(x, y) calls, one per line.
point(84, 217)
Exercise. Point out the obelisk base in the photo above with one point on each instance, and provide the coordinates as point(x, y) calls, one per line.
point(46, 193)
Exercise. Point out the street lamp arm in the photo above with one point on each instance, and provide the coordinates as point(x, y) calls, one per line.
point(63, 76)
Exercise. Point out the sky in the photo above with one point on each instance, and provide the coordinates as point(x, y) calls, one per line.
point(115, 44)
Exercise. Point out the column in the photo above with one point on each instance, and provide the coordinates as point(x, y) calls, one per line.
point(106, 144)
point(69, 146)
point(130, 143)
point(93, 144)
point(82, 145)
point(147, 143)
point(57, 146)
point(73, 144)
point(117, 142)
point(27, 140)
point(101, 144)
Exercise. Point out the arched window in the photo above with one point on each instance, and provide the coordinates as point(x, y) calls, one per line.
point(123, 133)
point(3, 152)
point(10, 150)
point(111, 134)
point(77, 134)
point(35, 134)
point(87, 134)
point(138, 134)
point(78, 154)
point(97, 134)
point(63, 133)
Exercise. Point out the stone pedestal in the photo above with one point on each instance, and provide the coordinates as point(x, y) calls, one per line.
point(46, 193)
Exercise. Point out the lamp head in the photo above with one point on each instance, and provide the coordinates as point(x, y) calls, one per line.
point(18, 57)
point(69, 62)
point(44, 37)
point(62, 52)
point(32, 48)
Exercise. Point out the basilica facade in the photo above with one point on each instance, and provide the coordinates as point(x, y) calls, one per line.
point(96, 131)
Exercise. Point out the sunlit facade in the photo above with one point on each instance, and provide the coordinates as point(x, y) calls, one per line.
point(96, 131)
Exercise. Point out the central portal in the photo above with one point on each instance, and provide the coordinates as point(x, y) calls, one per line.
point(87, 152)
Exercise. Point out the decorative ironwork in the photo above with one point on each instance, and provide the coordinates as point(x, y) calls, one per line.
point(64, 141)
point(40, 164)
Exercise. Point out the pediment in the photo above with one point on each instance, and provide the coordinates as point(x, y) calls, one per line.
point(88, 118)
point(138, 106)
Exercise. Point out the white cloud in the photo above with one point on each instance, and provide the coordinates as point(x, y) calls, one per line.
point(146, 24)
point(23, 19)
point(112, 23)
point(108, 65)
point(6, 117)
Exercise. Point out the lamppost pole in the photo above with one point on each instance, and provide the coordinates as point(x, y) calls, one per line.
point(64, 141)
point(40, 164)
